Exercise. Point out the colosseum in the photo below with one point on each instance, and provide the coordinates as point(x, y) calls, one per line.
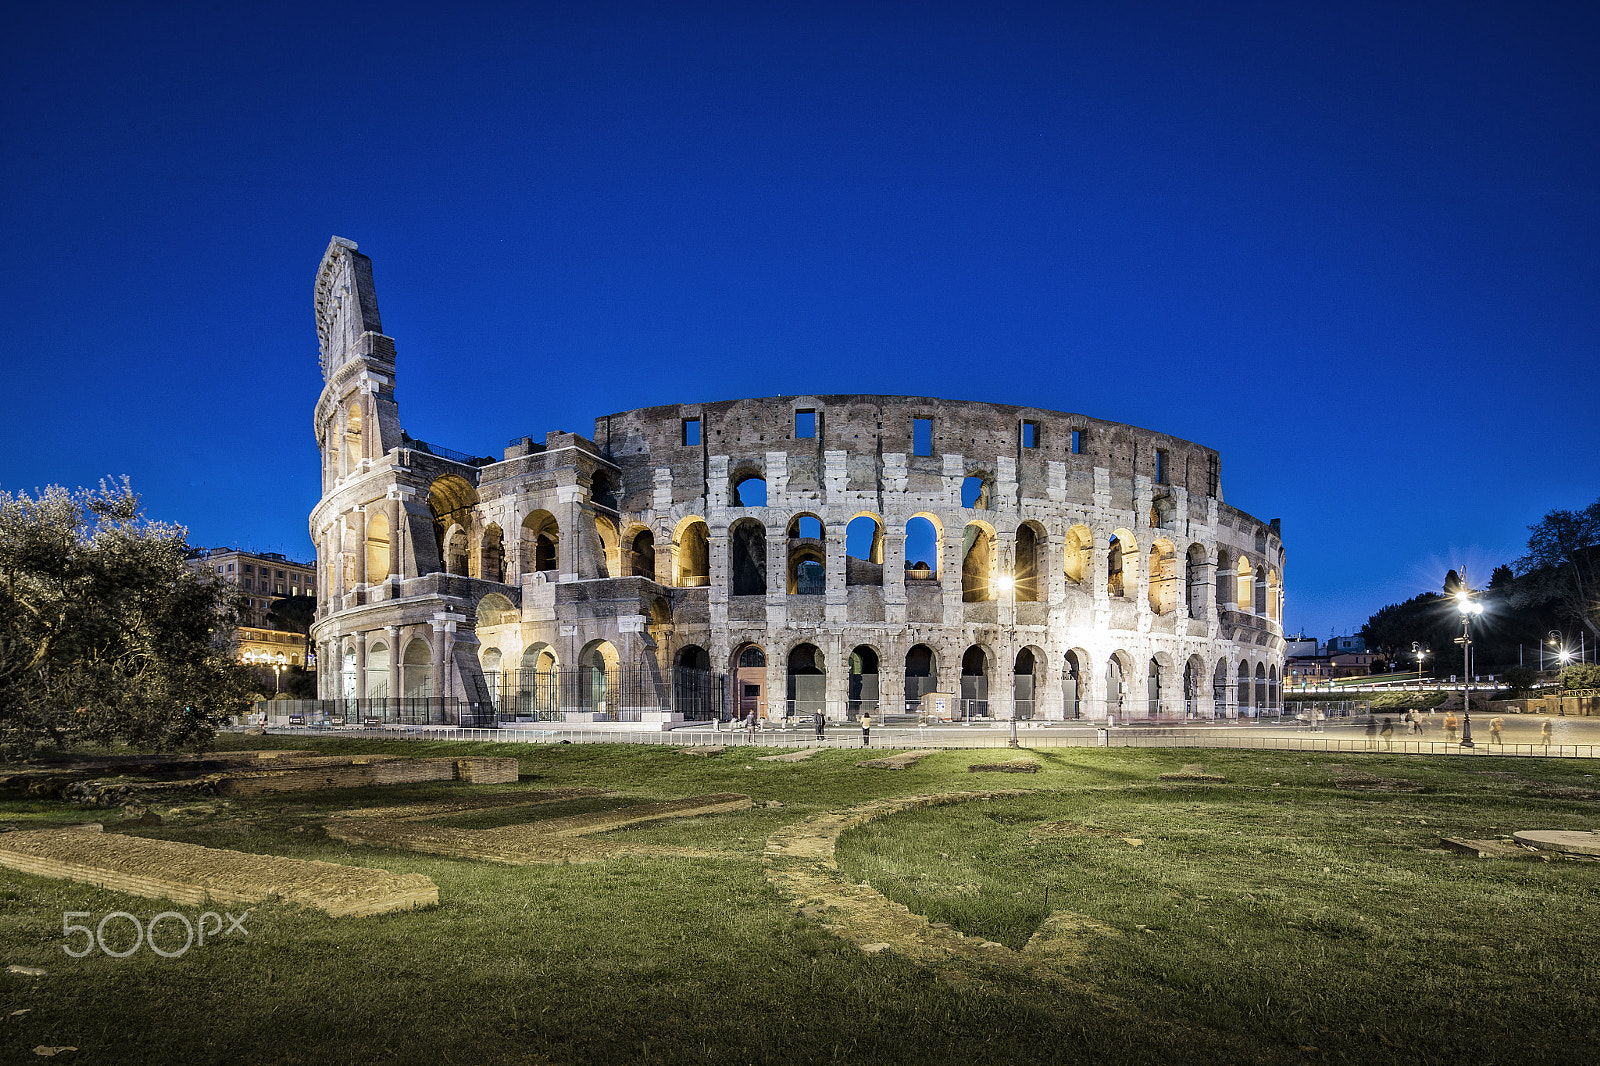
point(776, 556)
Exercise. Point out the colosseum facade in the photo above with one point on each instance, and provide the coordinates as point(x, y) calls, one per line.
point(778, 555)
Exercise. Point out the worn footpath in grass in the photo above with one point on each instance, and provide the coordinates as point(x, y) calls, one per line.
point(1298, 913)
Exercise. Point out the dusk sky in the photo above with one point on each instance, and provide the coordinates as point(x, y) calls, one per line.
point(1355, 248)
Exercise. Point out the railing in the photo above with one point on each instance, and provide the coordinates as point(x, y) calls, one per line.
point(446, 453)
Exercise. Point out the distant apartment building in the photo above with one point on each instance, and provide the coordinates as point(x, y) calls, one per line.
point(262, 577)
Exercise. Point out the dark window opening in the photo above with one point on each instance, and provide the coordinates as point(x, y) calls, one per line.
point(975, 493)
point(1077, 442)
point(751, 492)
point(691, 432)
point(805, 424)
point(922, 436)
point(1161, 466)
point(1030, 434)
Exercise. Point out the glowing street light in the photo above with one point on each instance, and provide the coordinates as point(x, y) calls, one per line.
point(1469, 610)
point(1419, 650)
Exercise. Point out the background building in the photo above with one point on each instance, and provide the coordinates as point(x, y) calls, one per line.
point(261, 577)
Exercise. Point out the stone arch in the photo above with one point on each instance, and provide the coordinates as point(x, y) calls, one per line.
point(378, 670)
point(747, 557)
point(1155, 694)
point(457, 550)
point(863, 549)
point(353, 449)
point(1195, 580)
point(379, 554)
point(489, 660)
point(977, 490)
point(1226, 579)
point(492, 554)
point(1027, 682)
point(1074, 683)
point(603, 490)
point(806, 555)
point(1242, 699)
point(451, 500)
point(864, 687)
point(1122, 563)
point(691, 553)
point(495, 610)
point(599, 668)
point(1220, 688)
point(1245, 593)
point(1118, 669)
point(748, 664)
point(747, 485)
point(977, 666)
point(977, 563)
point(1274, 699)
point(806, 681)
point(1194, 675)
point(608, 561)
point(1079, 554)
point(921, 672)
point(924, 543)
point(1163, 577)
point(416, 671)
point(1261, 700)
point(1029, 567)
point(696, 693)
point(1274, 595)
point(640, 552)
point(541, 539)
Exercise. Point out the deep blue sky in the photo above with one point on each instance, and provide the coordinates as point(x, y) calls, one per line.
point(1354, 247)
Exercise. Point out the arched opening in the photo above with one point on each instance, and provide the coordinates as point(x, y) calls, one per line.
point(536, 684)
point(456, 551)
point(1071, 686)
point(977, 563)
point(1245, 594)
point(378, 549)
point(807, 682)
point(347, 678)
point(863, 691)
point(922, 550)
point(597, 677)
point(1274, 596)
point(352, 438)
point(750, 680)
point(608, 560)
point(1261, 688)
point(1194, 672)
point(642, 555)
point(540, 537)
point(863, 551)
point(974, 683)
point(451, 501)
point(416, 671)
point(492, 555)
point(1163, 577)
point(692, 554)
point(921, 675)
point(1195, 584)
point(1274, 700)
point(748, 490)
point(378, 671)
point(1079, 551)
point(1023, 685)
point(1226, 580)
point(1027, 568)
point(747, 557)
point(1153, 690)
point(808, 556)
point(1114, 689)
point(1242, 699)
point(1219, 691)
point(489, 659)
point(975, 491)
point(695, 693)
point(1122, 555)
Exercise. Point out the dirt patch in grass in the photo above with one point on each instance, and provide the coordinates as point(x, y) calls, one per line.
point(1355, 781)
point(903, 761)
point(801, 865)
point(443, 808)
point(1193, 772)
point(1012, 766)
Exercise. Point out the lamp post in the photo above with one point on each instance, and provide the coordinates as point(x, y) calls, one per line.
point(1469, 610)
point(1419, 651)
point(1564, 656)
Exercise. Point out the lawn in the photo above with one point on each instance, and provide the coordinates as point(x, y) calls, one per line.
point(1300, 912)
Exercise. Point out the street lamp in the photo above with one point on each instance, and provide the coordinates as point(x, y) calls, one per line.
point(1419, 651)
point(1469, 610)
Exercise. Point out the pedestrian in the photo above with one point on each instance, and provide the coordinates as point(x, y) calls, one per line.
point(1387, 732)
point(866, 730)
point(1410, 720)
point(1316, 720)
point(1544, 734)
point(821, 722)
point(1495, 725)
point(1450, 724)
point(1372, 731)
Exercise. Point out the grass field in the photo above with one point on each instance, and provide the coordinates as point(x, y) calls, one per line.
point(1301, 912)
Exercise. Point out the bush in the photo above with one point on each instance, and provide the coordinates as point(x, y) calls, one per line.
point(1400, 701)
point(1581, 676)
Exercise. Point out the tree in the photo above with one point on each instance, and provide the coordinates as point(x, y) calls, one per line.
point(1563, 564)
point(1581, 676)
point(105, 634)
point(295, 614)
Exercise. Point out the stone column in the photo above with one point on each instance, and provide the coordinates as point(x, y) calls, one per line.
point(395, 653)
point(894, 577)
point(361, 663)
point(836, 605)
point(396, 531)
point(359, 516)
